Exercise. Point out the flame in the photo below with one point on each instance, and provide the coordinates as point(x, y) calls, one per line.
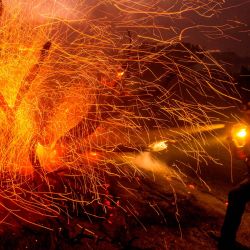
point(49, 157)
point(105, 75)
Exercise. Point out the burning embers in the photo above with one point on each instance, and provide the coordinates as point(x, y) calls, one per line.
point(68, 107)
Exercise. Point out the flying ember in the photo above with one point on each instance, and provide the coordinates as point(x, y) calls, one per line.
point(83, 83)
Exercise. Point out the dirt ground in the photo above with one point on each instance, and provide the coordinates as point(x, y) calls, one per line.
point(141, 213)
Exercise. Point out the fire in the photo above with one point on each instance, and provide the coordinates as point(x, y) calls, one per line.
point(120, 74)
point(49, 157)
point(76, 85)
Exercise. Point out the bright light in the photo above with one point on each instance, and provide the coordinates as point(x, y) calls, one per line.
point(158, 146)
point(120, 74)
point(239, 135)
point(242, 133)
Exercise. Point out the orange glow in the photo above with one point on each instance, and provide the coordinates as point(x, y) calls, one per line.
point(49, 157)
point(120, 74)
point(76, 81)
point(191, 186)
point(240, 135)
point(93, 153)
point(159, 146)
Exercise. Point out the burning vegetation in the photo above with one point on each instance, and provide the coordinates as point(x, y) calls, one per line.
point(78, 93)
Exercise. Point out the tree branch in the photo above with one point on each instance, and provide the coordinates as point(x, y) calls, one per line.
point(27, 82)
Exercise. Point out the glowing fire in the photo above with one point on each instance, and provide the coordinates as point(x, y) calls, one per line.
point(71, 87)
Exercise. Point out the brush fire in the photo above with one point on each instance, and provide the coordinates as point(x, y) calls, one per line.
point(86, 85)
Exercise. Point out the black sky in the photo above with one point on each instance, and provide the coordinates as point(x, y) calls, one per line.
point(235, 12)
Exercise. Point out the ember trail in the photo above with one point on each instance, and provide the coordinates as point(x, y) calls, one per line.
point(78, 92)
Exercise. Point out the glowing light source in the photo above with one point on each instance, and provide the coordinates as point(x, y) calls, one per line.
point(120, 74)
point(240, 135)
point(158, 146)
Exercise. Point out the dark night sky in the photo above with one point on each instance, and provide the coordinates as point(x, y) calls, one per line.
point(240, 12)
point(236, 10)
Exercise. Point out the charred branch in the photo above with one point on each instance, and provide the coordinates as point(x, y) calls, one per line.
point(26, 84)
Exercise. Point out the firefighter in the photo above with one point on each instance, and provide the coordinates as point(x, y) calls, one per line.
point(237, 200)
point(240, 195)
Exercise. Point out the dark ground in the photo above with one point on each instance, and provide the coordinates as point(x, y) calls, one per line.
point(153, 211)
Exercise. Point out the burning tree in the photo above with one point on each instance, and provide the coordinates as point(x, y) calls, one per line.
point(75, 90)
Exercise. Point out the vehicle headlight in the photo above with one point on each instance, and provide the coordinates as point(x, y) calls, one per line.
point(240, 135)
point(158, 146)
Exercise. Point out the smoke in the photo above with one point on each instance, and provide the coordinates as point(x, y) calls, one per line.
point(148, 163)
